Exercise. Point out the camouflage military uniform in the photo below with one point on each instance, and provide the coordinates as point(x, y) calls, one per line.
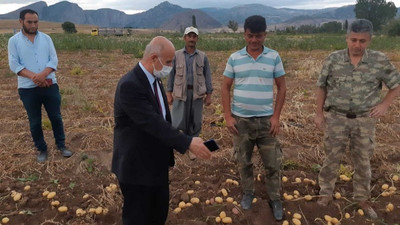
point(351, 93)
point(255, 131)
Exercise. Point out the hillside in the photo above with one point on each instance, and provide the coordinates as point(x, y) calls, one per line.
point(173, 17)
point(184, 19)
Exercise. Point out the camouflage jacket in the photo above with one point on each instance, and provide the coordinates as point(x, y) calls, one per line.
point(356, 89)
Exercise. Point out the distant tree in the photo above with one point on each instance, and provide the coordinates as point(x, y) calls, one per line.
point(346, 25)
point(290, 30)
point(194, 21)
point(307, 29)
point(379, 12)
point(68, 27)
point(331, 27)
point(392, 28)
point(233, 25)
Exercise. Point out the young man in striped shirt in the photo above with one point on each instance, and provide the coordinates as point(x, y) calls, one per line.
point(253, 118)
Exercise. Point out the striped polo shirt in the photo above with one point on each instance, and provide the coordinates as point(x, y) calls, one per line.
point(253, 81)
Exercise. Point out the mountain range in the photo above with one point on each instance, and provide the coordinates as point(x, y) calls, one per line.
point(173, 17)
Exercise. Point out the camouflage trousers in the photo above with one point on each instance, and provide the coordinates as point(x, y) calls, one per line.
point(359, 134)
point(254, 131)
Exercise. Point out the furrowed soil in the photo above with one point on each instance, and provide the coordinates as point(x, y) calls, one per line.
point(87, 81)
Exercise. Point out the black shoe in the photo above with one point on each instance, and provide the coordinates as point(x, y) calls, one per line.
point(276, 206)
point(42, 156)
point(65, 152)
point(247, 199)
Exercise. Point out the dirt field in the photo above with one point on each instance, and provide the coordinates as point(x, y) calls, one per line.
point(87, 82)
point(8, 26)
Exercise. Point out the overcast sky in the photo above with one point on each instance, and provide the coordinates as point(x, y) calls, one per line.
point(134, 6)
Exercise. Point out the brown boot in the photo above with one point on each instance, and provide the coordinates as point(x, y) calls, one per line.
point(368, 210)
point(324, 200)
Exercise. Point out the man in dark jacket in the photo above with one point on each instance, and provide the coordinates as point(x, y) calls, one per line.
point(144, 138)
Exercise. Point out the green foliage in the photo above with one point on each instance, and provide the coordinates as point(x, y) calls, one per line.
point(331, 27)
point(69, 27)
point(46, 124)
point(346, 170)
point(290, 165)
point(31, 178)
point(3, 46)
point(220, 123)
point(26, 212)
point(233, 25)
point(89, 162)
point(90, 167)
point(346, 25)
point(392, 28)
point(316, 168)
point(194, 24)
point(77, 70)
point(86, 106)
point(72, 185)
point(307, 29)
point(229, 42)
point(54, 181)
point(379, 12)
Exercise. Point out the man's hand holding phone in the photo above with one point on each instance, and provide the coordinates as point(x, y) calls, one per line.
point(211, 145)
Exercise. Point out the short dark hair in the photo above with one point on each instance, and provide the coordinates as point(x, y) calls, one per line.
point(361, 26)
point(25, 11)
point(255, 24)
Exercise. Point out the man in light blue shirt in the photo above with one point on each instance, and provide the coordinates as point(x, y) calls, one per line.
point(33, 58)
point(253, 118)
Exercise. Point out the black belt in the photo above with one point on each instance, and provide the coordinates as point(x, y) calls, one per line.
point(349, 115)
point(190, 87)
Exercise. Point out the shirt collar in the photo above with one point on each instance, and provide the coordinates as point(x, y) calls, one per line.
point(149, 76)
point(364, 59)
point(24, 36)
point(195, 51)
point(243, 51)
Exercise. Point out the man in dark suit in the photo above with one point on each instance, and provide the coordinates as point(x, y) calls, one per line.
point(144, 138)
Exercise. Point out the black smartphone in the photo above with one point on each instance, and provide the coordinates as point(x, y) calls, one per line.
point(211, 145)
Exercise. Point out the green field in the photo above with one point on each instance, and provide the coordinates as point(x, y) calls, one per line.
point(209, 42)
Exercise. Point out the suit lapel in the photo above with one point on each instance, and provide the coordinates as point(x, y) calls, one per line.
point(164, 96)
point(145, 82)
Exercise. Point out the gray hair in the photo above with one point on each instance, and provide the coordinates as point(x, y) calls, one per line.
point(156, 46)
point(152, 49)
point(360, 26)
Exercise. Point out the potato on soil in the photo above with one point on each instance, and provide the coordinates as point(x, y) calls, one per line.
point(5, 220)
point(55, 203)
point(99, 210)
point(218, 200)
point(195, 200)
point(297, 216)
point(80, 212)
point(51, 195)
point(177, 210)
point(227, 220)
point(62, 209)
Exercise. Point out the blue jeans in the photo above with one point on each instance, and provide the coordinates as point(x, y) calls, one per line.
point(50, 98)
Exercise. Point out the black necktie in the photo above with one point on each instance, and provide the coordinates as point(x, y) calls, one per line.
point(156, 95)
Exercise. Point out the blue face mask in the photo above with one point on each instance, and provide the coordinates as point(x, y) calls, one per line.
point(163, 72)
